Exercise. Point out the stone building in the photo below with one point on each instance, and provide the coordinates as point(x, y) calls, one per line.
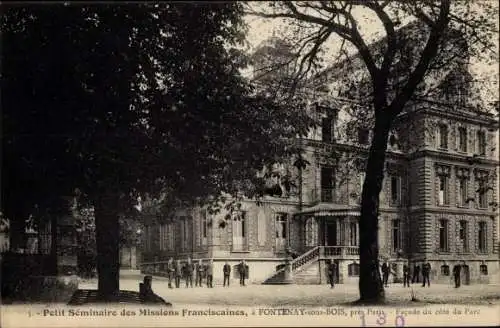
point(439, 200)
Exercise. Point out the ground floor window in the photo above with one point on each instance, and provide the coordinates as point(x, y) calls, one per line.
point(483, 269)
point(445, 270)
point(353, 270)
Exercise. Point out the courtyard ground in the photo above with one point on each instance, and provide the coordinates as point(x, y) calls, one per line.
point(306, 295)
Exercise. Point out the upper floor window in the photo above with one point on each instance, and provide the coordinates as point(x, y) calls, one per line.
point(443, 235)
point(353, 234)
point(481, 237)
point(462, 139)
point(327, 184)
point(327, 129)
point(483, 193)
point(463, 236)
point(363, 136)
point(395, 189)
point(462, 192)
point(442, 136)
point(443, 191)
point(481, 143)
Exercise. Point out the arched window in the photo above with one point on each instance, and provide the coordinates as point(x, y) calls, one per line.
point(353, 269)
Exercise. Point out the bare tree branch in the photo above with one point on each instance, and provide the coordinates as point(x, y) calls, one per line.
point(429, 52)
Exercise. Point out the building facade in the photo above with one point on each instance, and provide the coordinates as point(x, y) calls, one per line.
point(439, 203)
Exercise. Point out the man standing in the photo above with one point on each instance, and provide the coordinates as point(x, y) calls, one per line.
point(242, 270)
point(456, 274)
point(170, 271)
point(385, 274)
point(426, 272)
point(331, 273)
point(210, 273)
point(178, 273)
point(189, 269)
point(406, 276)
point(199, 273)
point(416, 274)
point(227, 273)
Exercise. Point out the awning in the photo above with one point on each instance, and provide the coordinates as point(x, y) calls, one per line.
point(329, 209)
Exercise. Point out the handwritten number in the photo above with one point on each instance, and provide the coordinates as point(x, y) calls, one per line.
point(381, 319)
point(400, 321)
point(363, 322)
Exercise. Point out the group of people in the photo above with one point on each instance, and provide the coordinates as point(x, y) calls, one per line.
point(409, 276)
point(201, 272)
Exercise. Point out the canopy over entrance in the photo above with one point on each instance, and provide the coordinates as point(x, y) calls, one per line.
point(329, 209)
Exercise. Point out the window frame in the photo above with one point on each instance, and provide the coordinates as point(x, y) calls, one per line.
point(482, 237)
point(444, 235)
point(446, 185)
point(463, 230)
point(462, 139)
point(396, 235)
point(443, 132)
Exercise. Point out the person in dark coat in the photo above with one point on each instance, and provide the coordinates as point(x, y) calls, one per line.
point(406, 276)
point(178, 273)
point(332, 268)
point(170, 271)
point(416, 274)
point(210, 273)
point(200, 270)
point(385, 274)
point(456, 274)
point(188, 272)
point(242, 270)
point(227, 273)
point(426, 272)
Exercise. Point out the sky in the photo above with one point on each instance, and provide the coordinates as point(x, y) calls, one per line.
point(371, 28)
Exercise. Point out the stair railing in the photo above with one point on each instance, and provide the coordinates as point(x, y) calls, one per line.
point(305, 258)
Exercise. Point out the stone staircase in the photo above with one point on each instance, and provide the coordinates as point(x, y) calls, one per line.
point(297, 264)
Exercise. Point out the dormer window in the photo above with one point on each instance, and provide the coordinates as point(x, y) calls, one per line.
point(363, 136)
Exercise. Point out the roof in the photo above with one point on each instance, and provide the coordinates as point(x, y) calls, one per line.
point(329, 209)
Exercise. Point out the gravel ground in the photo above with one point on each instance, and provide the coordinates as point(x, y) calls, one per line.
point(310, 295)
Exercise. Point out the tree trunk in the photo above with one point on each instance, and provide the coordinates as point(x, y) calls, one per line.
point(108, 247)
point(370, 283)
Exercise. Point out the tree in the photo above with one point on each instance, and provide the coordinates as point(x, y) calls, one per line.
point(391, 76)
point(120, 100)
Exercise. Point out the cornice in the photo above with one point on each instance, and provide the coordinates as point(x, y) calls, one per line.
point(451, 210)
point(456, 157)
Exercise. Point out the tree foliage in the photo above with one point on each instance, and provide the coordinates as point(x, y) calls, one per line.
point(123, 99)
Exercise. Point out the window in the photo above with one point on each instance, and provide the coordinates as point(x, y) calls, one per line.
point(483, 269)
point(326, 129)
point(363, 136)
point(184, 232)
point(171, 236)
point(204, 227)
point(147, 238)
point(353, 234)
point(462, 139)
point(395, 190)
point(443, 190)
point(463, 236)
point(481, 142)
point(483, 193)
point(164, 237)
point(239, 230)
point(353, 270)
point(443, 136)
point(311, 232)
point(396, 235)
point(281, 230)
point(445, 270)
point(462, 192)
point(481, 238)
point(327, 184)
point(393, 141)
point(443, 235)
